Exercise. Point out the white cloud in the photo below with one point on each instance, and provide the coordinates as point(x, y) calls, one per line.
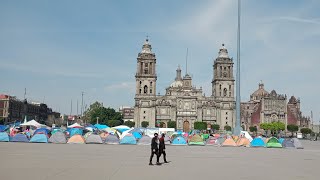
point(300, 20)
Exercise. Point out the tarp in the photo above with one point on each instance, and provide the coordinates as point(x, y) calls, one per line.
point(247, 135)
point(19, 138)
point(39, 138)
point(94, 139)
point(31, 123)
point(229, 142)
point(4, 137)
point(121, 128)
point(273, 143)
point(101, 126)
point(257, 142)
point(179, 140)
point(58, 138)
point(297, 143)
point(76, 139)
point(3, 128)
point(75, 125)
point(196, 140)
point(128, 139)
point(112, 139)
point(41, 131)
point(145, 140)
point(287, 143)
point(243, 142)
point(137, 135)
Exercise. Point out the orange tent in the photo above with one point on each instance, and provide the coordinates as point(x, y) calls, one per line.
point(243, 142)
point(235, 138)
point(76, 139)
point(229, 142)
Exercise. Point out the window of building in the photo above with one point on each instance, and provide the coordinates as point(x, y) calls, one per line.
point(226, 113)
point(226, 123)
point(225, 68)
point(144, 112)
point(140, 82)
point(150, 91)
point(140, 91)
point(144, 117)
point(226, 118)
point(145, 89)
point(225, 92)
point(150, 83)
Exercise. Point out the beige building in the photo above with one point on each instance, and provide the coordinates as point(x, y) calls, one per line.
point(183, 102)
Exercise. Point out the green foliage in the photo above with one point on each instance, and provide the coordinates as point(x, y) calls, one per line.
point(144, 124)
point(265, 126)
point(1, 120)
point(243, 127)
point(162, 124)
point(200, 125)
point(105, 114)
point(227, 128)
point(277, 126)
point(292, 128)
point(305, 131)
point(215, 126)
point(253, 129)
point(112, 123)
point(172, 124)
point(129, 123)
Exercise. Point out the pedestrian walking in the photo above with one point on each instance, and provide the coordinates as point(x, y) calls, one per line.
point(154, 149)
point(162, 148)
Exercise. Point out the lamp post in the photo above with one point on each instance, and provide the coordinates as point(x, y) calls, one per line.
point(237, 128)
point(97, 120)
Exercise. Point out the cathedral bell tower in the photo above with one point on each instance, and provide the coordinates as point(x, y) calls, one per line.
point(223, 86)
point(146, 79)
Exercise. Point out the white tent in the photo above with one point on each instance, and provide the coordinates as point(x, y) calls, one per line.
point(31, 123)
point(75, 125)
point(247, 135)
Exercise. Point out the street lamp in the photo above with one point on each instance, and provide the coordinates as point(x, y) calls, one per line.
point(97, 120)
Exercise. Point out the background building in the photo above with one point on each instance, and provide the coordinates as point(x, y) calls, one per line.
point(265, 107)
point(183, 102)
point(127, 113)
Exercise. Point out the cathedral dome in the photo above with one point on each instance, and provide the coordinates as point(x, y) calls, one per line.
point(223, 53)
point(261, 92)
point(293, 100)
point(176, 84)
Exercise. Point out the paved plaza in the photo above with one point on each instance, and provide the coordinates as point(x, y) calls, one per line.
point(65, 161)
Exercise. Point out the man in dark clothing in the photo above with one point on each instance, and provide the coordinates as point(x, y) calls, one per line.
point(162, 148)
point(154, 149)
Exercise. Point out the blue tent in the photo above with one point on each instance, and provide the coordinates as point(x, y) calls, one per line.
point(3, 128)
point(258, 142)
point(4, 137)
point(179, 140)
point(39, 138)
point(41, 131)
point(19, 138)
point(281, 140)
point(137, 135)
point(74, 131)
point(128, 139)
point(101, 126)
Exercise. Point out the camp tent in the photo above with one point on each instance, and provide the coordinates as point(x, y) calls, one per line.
point(281, 140)
point(211, 141)
point(297, 143)
point(112, 139)
point(4, 137)
point(128, 139)
point(58, 138)
point(229, 142)
point(196, 140)
point(54, 130)
point(220, 140)
point(287, 143)
point(103, 135)
point(75, 125)
point(76, 139)
point(179, 140)
point(3, 128)
point(87, 135)
point(74, 131)
point(235, 138)
point(94, 139)
point(145, 140)
point(167, 140)
point(137, 135)
point(101, 126)
point(273, 143)
point(247, 135)
point(41, 131)
point(121, 128)
point(19, 138)
point(39, 138)
point(258, 142)
point(31, 123)
point(243, 142)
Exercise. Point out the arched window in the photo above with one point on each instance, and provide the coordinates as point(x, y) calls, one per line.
point(145, 90)
point(225, 92)
point(150, 91)
point(140, 91)
point(150, 83)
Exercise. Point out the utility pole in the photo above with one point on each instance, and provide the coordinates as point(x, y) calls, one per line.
point(77, 108)
point(82, 93)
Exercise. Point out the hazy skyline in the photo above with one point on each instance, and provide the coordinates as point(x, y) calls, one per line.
point(57, 49)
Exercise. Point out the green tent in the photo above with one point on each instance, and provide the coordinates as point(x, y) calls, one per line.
point(196, 140)
point(273, 143)
point(205, 136)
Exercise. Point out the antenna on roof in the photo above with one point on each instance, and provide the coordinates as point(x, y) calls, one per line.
point(187, 62)
point(25, 93)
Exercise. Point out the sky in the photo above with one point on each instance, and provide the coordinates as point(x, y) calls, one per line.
point(58, 49)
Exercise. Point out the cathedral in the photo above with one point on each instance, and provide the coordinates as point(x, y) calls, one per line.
point(182, 101)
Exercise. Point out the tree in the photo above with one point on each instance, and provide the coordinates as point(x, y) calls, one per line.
point(1, 120)
point(162, 124)
point(275, 127)
point(144, 124)
point(305, 131)
point(129, 123)
point(215, 126)
point(253, 129)
point(200, 125)
point(292, 128)
point(172, 124)
point(96, 110)
point(227, 128)
point(112, 123)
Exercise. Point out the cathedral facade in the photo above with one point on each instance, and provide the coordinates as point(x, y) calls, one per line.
point(182, 101)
